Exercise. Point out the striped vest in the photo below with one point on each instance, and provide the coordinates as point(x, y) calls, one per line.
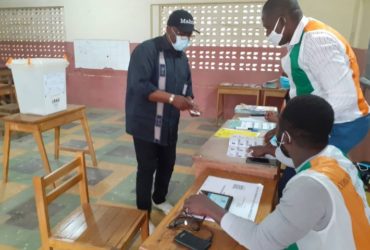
point(349, 226)
point(344, 93)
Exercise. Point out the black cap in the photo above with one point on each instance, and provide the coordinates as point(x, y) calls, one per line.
point(182, 20)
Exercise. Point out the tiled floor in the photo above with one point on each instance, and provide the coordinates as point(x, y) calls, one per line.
point(113, 180)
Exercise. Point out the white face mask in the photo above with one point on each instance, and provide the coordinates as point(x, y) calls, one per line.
point(182, 42)
point(280, 156)
point(274, 38)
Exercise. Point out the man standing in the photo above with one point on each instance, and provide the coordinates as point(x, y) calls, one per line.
point(159, 86)
point(320, 62)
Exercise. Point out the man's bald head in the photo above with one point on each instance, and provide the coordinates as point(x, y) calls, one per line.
point(284, 14)
point(281, 7)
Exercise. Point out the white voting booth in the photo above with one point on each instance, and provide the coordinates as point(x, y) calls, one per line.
point(40, 84)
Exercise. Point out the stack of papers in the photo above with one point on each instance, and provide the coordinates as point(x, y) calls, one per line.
point(253, 109)
point(245, 85)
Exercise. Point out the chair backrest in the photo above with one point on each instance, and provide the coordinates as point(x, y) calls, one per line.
point(70, 174)
point(6, 76)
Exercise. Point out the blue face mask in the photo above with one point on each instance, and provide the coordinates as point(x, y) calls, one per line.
point(182, 42)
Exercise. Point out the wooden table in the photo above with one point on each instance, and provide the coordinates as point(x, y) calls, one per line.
point(213, 155)
point(36, 124)
point(278, 93)
point(261, 94)
point(163, 238)
point(234, 90)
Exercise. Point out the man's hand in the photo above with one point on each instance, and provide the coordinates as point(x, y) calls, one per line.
point(194, 112)
point(182, 103)
point(271, 117)
point(201, 205)
point(270, 134)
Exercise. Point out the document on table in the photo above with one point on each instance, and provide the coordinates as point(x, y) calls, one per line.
point(226, 133)
point(246, 195)
point(255, 124)
point(239, 144)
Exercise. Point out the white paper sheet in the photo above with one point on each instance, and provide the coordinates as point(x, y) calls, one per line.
point(255, 124)
point(100, 54)
point(239, 144)
point(54, 84)
point(246, 196)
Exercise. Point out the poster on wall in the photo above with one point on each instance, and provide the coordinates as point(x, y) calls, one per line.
point(101, 54)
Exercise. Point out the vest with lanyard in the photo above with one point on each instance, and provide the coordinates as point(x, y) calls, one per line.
point(160, 105)
point(300, 78)
point(349, 225)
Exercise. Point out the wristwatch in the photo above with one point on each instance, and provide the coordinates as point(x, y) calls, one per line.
point(170, 100)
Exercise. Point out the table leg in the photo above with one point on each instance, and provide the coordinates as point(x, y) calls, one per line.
point(89, 141)
point(6, 151)
point(145, 229)
point(56, 142)
point(41, 146)
point(220, 106)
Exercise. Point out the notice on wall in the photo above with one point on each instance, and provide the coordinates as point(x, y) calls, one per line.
point(101, 54)
point(54, 84)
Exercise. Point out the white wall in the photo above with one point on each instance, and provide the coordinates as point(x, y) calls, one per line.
point(336, 13)
point(363, 24)
point(130, 19)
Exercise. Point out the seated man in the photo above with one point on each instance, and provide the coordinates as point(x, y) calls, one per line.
point(323, 206)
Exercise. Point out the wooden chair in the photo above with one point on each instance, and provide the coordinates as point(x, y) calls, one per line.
point(6, 78)
point(90, 226)
point(12, 107)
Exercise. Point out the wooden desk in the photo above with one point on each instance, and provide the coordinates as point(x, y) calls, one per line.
point(279, 93)
point(233, 90)
point(36, 124)
point(163, 238)
point(256, 91)
point(213, 155)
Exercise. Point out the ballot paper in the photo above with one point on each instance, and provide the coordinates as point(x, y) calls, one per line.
point(253, 124)
point(246, 196)
point(239, 144)
point(227, 133)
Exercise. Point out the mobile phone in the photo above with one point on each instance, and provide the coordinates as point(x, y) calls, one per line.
point(221, 200)
point(257, 159)
point(191, 241)
point(193, 112)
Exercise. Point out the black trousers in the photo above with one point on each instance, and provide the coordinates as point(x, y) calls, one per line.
point(152, 157)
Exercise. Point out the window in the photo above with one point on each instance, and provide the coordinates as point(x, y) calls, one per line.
point(32, 32)
point(232, 36)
